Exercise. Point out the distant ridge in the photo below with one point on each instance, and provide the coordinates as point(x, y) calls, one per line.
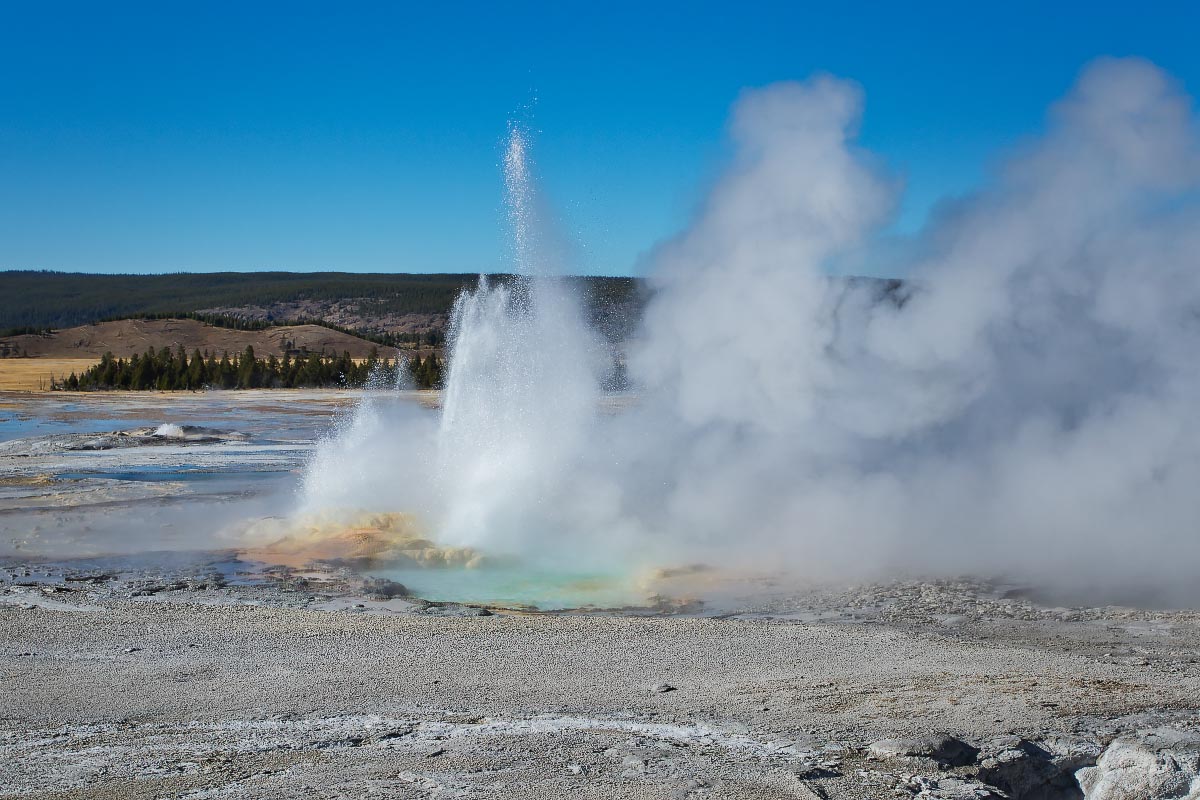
point(126, 338)
point(365, 302)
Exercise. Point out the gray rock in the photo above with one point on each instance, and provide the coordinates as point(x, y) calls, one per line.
point(662, 688)
point(636, 761)
point(1027, 770)
point(1072, 753)
point(959, 789)
point(941, 747)
point(384, 589)
point(1158, 764)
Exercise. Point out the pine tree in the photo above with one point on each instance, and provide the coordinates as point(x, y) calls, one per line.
point(226, 376)
point(196, 371)
point(142, 372)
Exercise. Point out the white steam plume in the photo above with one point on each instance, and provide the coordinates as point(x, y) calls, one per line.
point(1030, 408)
point(1025, 406)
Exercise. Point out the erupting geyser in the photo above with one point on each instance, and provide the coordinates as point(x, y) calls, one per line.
point(519, 408)
point(522, 390)
point(1023, 405)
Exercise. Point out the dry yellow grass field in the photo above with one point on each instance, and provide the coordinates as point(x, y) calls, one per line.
point(35, 374)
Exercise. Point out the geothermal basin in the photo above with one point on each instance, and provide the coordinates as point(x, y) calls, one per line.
point(181, 623)
point(130, 479)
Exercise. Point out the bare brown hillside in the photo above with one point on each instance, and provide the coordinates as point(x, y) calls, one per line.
point(124, 338)
point(353, 313)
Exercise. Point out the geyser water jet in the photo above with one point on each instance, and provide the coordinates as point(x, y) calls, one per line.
point(521, 394)
point(518, 407)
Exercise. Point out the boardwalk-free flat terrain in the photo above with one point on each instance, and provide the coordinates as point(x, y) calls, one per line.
point(184, 695)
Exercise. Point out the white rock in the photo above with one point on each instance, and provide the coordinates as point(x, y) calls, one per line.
point(1160, 764)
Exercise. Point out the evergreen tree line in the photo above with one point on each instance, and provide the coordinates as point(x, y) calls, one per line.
point(166, 370)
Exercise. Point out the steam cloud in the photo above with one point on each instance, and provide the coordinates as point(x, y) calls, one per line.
point(1026, 406)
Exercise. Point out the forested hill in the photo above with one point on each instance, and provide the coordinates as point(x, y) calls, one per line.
point(388, 309)
point(371, 302)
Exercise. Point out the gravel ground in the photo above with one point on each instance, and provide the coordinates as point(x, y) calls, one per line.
point(192, 690)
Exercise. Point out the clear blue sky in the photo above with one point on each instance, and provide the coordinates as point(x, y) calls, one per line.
point(199, 136)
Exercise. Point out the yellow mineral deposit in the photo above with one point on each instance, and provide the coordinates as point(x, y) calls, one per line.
point(389, 539)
